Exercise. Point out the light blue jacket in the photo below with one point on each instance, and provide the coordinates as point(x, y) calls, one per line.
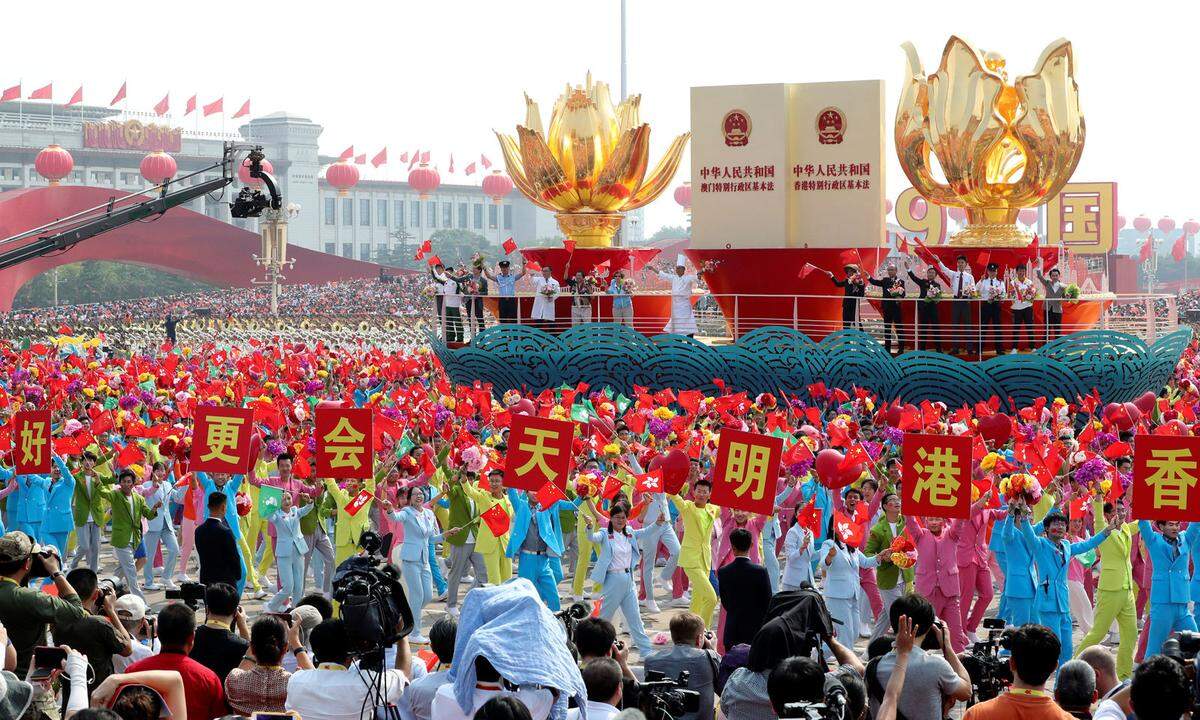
point(1052, 566)
point(549, 525)
point(419, 529)
point(289, 541)
point(841, 574)
point(162, 493)
point(32, 493)
point(1021, 576)
point(230, 490)
point(601, 539)
point(59, 515)
point(1170, 581)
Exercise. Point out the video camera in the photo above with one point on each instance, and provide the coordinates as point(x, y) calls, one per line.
point(989, 673)
point(664, 699)
point(831, 707)
point(191, 593)
point(571, 617)
point(373, 604)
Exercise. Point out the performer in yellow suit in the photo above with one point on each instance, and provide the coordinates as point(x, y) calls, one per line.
point(1116, 590)
point(695, 552)
point(348, 528)
point(499, 565)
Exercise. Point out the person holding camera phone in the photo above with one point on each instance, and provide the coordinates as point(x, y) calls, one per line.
point(26, 611)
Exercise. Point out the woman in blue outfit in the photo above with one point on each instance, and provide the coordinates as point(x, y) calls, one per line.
point(615, 568)
point(842, 585)
point(420, 530)
point(290, 549)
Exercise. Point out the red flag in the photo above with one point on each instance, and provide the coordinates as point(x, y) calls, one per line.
point(471, 169)
point(434, 261)
point(347, 153)
point(509, 246)
point(549, 494)
point(1116, 450)
point(807, 270)
point(243, 110)
point(116, 98)
point(848, 530)
point(484, 161)
point(360, 159)
point(451, 169)
point(163, 105)
point(1076, 508)
point(12, 93)
point(358, 502)
point(425, 156)
point(214, 107)
point(1147, 250)
point(856, 456)
point(1033, 249)
point(1179, 249)
point(76, 98)
point(416, 158)
point(130, 454)
point(427, 245)
point(191, 106)
point(46, 92)
point(809, 517)
point(650, 482)
point(496, 519)
point(67, 446)
point(902, 244)
point(533, 266)
point(612, 486)
point(380, 157)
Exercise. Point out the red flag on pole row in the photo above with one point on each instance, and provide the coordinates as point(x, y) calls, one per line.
point(360, 159)
point(509, 246)
point(471, 169)
point(484, 161)
point(745, 472)
point(221, 441)
point(163, 105)
point(116, 98)
point(243, 110)
point(344, 442)
point(1147, 250)
point(46, 92)
point(404, 156)
point(451, 168)
point(12, 93)
point(347, 153)
point(214, 107)
point(425, 156)
point(76, 98)
point(380, 158)
point(416, 158)
point(1179, 249)
point(31, 442)
point(191, 106)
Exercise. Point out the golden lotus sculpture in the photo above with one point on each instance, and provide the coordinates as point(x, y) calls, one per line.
point(591, 165)
point(1000, 147)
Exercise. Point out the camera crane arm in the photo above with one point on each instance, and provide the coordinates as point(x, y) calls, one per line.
point(66, 232)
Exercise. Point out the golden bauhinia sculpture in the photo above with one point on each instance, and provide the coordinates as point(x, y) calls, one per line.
point(591, 166)
point(1000, 147)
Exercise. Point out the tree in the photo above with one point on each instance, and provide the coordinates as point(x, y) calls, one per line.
point(458, 245)
point(102, 281)
point(669, 232)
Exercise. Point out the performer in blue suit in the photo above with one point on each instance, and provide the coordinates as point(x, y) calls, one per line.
point(536, 540)
point(1053, 554)
point(59, 522)
point(1020, 576)
point(1169, 585)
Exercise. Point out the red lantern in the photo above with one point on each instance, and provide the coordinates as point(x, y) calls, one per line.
point(158, 167)
point(1191, 227)
point(244, 173)
point(54, 163)
point(683, 196)
point(1141, 223)
point(1166, 225)
point(495, 186)
point(342, 175)
point(425, 180)
point(1027, 216)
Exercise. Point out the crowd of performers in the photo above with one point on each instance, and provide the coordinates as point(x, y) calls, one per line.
point(1048, 531)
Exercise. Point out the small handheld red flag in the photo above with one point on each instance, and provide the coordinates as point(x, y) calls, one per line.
point(358, 502)
point(549, 494)
point(496, 519)
point(509, 246)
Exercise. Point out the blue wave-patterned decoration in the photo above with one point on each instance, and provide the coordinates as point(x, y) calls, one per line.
point(770, 359)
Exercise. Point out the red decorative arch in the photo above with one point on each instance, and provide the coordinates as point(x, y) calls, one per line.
point(182, 241)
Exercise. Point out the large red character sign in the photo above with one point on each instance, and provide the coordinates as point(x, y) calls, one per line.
point(539, 451)
point(31, 442)
point(221, 440)
point(746, 470)
point(345, 442)
point(1166, 478)
point(937, 476)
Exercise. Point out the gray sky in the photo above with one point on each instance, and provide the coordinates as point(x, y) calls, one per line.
point(440, 75)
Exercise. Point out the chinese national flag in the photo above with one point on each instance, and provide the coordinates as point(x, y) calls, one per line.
point(807, 270)
point(163, 105)
point(67, 446)
point(1116, 450)
point(345, 442)
point(509, 246)
point(451, 168)
point(1179, 249)
point(810, 517)
point(426, 246)
point(539, 451)
point(937, 476)
point(425, 156)
point(496, 519)
point(486, 163)
point(1166, 469)
point(857, 456)
point(470, 169)
point(221, 440)
point(549, 494)
point(746, 470)
point(434, 261)
point(191, 106)
point(31, 442)
point(347, 153)
point(243, 110)
point(11, 93)
point(116, 98)
point(214, 107)
point(612, 486)
point(76, 98)
point(46, 92)
point(380, 158)
point(360, 159)
point(358, 502)
point(130, 454)
point(1147, 250)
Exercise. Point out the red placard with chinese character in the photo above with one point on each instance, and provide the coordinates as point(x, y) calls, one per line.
point(1166, 478)
point(539, 451)
point(221, 440)
point(31, 442)
point(746, 470)
point(937, 476)
point(345, 442)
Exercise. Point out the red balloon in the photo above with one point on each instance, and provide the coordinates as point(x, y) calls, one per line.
point(1146, 402)
point(829, 472)
point(996, 429)
point(1121, 416)
point(674, 470)
point(524, 406)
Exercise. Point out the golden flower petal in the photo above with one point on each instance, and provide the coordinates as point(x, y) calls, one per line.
point(516, 171)
point(544, 174)
point(912, 145)
point(627, 113)
point(533, 117)
point(1051, 128)
point(660, 176)
point(623, 174)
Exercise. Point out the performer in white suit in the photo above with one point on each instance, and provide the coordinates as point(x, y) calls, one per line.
point(683, 320)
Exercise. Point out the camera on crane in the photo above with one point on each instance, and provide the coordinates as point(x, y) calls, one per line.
point(251, 202)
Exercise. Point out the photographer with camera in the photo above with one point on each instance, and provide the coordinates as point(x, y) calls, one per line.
point(1035, 651)
point(217, 647)
point(26, 611)
point(597, 638)
point(340, 688)
point(131, 610)
point(692, 651)
point(98, 635)
point(933, 684)
point(1160, 690)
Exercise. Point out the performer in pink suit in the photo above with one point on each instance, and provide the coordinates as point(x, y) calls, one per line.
point(937, 571)
point(974, 570)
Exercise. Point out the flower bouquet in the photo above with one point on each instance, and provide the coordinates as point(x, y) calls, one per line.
point(1071, 293)
point(903, 552)
point(708, 266)
point(477, 261)
point(1021, 486)
point(934, 293)
point(896, 291)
